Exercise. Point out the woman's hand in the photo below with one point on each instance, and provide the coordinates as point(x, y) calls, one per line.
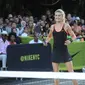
point(67, 42)
point(45, 43)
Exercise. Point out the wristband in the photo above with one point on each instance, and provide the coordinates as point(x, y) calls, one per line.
point(71, 40)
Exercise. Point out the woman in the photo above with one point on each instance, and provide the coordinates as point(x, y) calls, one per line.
point(59, 31)
point(12, 38)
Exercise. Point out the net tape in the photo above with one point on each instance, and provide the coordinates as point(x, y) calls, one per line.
point(43, 75)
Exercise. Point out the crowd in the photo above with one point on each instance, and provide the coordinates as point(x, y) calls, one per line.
point(15, 26)
point(27, 25)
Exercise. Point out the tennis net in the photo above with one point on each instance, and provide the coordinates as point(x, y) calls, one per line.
point(43, 78)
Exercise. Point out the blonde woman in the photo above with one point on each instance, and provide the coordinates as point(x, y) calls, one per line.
point(59, 32)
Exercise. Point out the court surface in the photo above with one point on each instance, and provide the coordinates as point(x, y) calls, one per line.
point(36, 82)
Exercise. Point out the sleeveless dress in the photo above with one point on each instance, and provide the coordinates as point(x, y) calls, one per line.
point(60, 51)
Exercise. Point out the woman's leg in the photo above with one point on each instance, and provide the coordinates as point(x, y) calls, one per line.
point(55, 69)
point(69, 66)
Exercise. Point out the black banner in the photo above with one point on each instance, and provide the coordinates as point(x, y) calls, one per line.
point(29, 57)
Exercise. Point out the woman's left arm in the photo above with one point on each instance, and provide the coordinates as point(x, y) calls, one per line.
point(70, 31)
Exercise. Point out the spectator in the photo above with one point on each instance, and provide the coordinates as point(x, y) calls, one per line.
point(41, 28)
point(27, 19)
point(15, 29)
point(44, 28)
point(23, 24)
point(37, 28)
point(49, 16)
point(3, 46)
point(31, 27)
point(35, 40)
point(82, 24)
point(9, 27)
point(25, 33)
point(18, 39)
point(10, 16)
point(83, 35)
point(16, 20)
point(44, 18)
point(32, 20)
point(69, 18)
point(7, 21)
point(76, 28)
point(21, 29)
point(12, 38)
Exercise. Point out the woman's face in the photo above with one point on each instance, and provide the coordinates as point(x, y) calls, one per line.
point(12, 37)
point(31, 18)
point(58, 17)
point(27, 19)
point(13, 25)
point(30, 24)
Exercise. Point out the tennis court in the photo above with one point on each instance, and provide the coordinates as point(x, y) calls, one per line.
point(37, 82)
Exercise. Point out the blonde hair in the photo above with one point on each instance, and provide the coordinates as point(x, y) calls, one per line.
point(63, 13)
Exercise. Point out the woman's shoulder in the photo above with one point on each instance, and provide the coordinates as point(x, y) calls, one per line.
point(52, 27)
point(67, 26)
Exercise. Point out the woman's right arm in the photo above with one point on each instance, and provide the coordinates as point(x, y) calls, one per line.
point(49, 36)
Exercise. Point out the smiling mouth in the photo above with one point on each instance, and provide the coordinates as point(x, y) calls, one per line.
point(57, 19)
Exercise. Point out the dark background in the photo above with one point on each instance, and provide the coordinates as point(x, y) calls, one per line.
point(37, 7)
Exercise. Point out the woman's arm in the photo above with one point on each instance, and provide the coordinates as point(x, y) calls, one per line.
point(70, 31)
point(49, 36)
